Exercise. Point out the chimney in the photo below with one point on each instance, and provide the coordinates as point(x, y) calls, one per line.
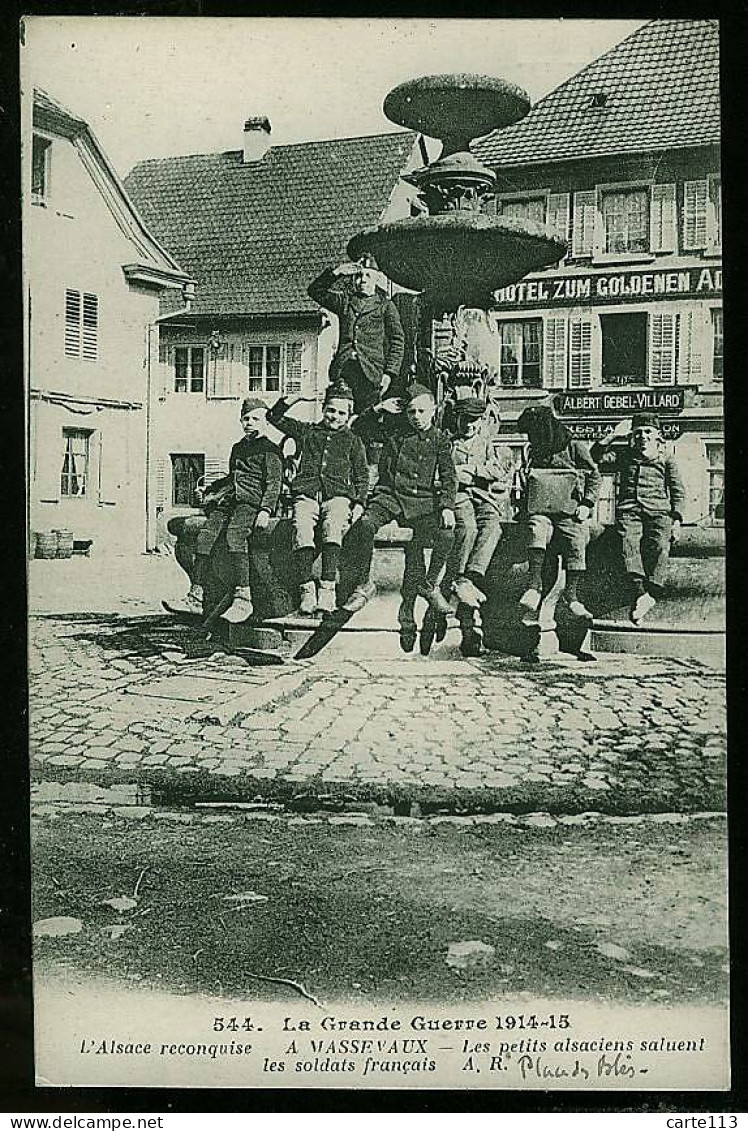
point(256, 139)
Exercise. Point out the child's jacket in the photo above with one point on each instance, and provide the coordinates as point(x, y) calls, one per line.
point(255, 468)
point(490, 468)
point(416, 467)
point(333, 463)
point(654, 486)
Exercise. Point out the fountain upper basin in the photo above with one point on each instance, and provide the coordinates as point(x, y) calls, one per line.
point(458, 258)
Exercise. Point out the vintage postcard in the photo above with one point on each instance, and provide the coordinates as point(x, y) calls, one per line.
point(374, 376)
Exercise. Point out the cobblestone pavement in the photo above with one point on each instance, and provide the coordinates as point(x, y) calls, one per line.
point(114, 700)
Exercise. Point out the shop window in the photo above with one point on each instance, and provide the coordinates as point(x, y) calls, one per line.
point(41, 155)
point(81, 325)
point(715, 459)
point(625, 217)
point(264, 366)
point(189, 369)
point(718, 346)
point(521, 352)
point(528, 208)
point(187, 473)
point(624, 348)
point(74, 478)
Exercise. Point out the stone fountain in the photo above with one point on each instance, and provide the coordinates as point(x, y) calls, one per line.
point(458, 255)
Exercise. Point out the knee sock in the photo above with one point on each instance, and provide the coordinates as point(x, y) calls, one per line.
point(330, 559)
point(240, 563)
point(304, 558)
point(359, 548)
point(573, 577)
point(536, 558)
point(199, 568)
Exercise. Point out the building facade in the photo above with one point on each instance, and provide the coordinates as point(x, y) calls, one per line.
point(253, 227)
point(623, 162)
point(93, 278)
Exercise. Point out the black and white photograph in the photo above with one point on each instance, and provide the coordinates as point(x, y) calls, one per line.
point(376, 552)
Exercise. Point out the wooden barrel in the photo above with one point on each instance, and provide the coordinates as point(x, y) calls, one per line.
point(46, 544)
point(64, 543)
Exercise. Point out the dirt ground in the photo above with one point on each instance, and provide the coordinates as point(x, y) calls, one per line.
point(634, 913)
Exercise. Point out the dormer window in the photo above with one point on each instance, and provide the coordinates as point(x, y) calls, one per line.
point(41, 152)
point(598, 100)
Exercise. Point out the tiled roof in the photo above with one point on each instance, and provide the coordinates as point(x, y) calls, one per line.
point(660, 88)
point(255, 235)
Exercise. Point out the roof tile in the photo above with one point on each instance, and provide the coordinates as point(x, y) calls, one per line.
point(662, 87)
point(254, 235)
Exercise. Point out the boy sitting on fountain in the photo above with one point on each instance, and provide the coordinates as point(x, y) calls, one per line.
point(329, 489)
point(417, 486)
point(485, 472)
point(562, 485)
point(243, 502)
point(649, 505)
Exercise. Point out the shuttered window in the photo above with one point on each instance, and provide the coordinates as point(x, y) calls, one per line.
point(580, 353)
point(189, 369)
point(661, 349)
point(556, 330)
point(187, 473)
point(528, 208)
point(74, 478)
point(81, 325)
point(663, 234)
point(695, 201)
point(520, 354)
point(625, 217)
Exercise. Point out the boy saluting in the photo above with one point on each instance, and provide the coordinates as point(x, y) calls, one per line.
point(417, 487)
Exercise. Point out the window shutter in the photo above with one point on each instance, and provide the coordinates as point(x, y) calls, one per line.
point(580, 353)
point(661, 349)
point(557, 221)
point(90, 327)
point(72, 323)
point(294, 372)
point(554, 353)
point(662, 218)
point(215, 468)
point(584, 224)
point(219, 375)
point(695, 200)
point(159, 493)
point(108, 484)
point(691, 347)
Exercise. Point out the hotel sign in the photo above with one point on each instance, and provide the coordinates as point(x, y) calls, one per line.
point(625, 286)
point(668, 402)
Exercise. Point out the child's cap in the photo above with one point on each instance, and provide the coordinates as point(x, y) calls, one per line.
point(415, 391)
point(249, 404)
point(471, 407)
point(338, 392)
point(645, 420)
